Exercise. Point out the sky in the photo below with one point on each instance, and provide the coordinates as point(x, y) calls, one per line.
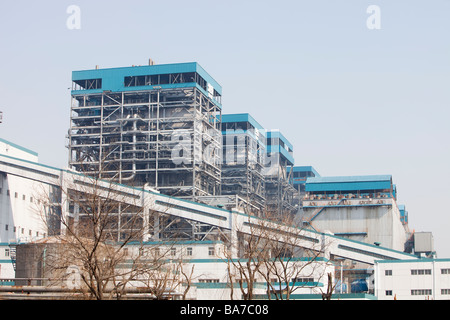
point(356, 91)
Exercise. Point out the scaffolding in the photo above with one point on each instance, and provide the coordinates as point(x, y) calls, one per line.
point(167, 139)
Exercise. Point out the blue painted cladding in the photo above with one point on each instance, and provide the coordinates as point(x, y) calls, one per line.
point(113, 78)
point(241, 117)
point(284, 152)
point(279, 135)
point(305, 169)
point(322, 184)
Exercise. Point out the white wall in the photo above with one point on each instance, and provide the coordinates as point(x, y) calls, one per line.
point(399, 280)
point(381, 223)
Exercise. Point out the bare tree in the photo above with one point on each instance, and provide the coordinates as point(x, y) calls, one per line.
point(272, 250)
point(288, 264)
point(330, 287)
point(97, 224)
point(244, 269)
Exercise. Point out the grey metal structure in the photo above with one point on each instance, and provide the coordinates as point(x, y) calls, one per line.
point(156, 125)
point(281, 195)
point(244, 152)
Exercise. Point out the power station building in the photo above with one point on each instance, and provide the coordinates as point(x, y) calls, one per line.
point(158, 135)
point(155, 125)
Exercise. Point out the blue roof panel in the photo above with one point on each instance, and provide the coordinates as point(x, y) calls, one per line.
point(241, 117)
point(348, 183)
point(112, 78)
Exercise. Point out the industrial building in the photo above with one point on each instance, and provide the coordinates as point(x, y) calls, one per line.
point(362, 208)
point(35, 176)
point(299, 176)
point(281, 196)
point(155, 125)
point(156, 136)
point(256, 165)
point(244, 156)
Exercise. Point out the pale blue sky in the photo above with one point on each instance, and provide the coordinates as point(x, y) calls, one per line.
point(352, 101)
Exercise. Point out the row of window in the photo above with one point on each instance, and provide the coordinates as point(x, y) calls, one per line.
point(421, 292)
point(173, 251)
point(415, 272)
point(16, 195)
point(147, 80)
point(22, 231)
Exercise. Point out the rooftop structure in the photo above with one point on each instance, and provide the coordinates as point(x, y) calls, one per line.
point(346, 185)
point(299, 175)
point(280, 193)
point(363, 208)
point(155, 125)
point(244, 151)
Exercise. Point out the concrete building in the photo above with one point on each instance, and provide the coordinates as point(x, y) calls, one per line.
point(212, 274)
point(215, 220)
point(421, 279)
point(19, 221)
point(362, 208)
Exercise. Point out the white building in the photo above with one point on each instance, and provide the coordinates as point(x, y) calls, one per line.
point(19, 221)
point(215, 276)
point(412, 279)
point(22, 179)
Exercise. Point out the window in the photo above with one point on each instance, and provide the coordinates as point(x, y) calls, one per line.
point(420, 272)
point(388, 292)
point(445, 291)
point(303, 280)
point(421, 292)
point(208, 280)
point(189, 251)
point(445, 271)
point(23, 197)
point(87, 84)
point(173, 251)
point(6, 227)
point(388, 272)
point(6, 252)
point(211, 251)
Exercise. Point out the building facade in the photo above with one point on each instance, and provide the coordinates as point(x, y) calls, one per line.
point(423, 279)
point(361, 208)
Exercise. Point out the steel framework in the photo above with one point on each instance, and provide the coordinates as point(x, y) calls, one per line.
point(168, 139)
